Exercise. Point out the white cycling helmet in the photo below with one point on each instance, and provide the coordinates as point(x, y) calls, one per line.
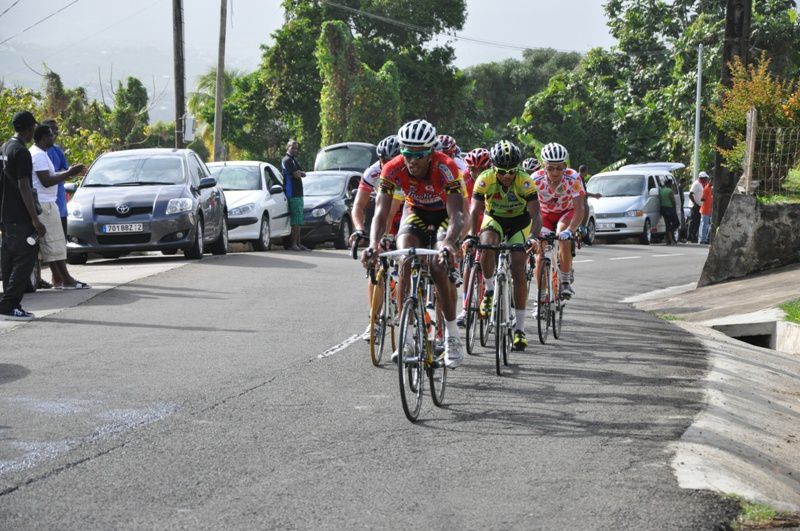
point(417, 133)
point(553, 152)
point(388, 148)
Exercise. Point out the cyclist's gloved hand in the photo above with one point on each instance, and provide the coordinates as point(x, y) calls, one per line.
point(565, 234)
point(532, 245)
point(469, 241)
point(369, 257)
point(356, 236)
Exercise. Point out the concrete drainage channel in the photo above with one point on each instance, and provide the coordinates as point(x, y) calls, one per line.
point(776, 335)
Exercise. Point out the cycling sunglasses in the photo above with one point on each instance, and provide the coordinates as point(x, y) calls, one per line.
point(507, 171)
point(412, 155)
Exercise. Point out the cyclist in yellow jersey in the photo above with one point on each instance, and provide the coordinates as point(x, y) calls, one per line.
point(507, 198)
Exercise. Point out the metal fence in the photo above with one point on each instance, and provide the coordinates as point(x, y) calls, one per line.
point(771, 160)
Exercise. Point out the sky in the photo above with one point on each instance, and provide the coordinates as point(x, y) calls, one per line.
point(97, 43)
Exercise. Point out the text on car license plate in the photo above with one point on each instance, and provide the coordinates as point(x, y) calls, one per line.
point(603, 226)
point(123, 227)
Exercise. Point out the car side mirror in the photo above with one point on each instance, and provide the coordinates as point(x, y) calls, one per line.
point(275, 189)
point(70, 187)
point(207, 182)
point(652, 192)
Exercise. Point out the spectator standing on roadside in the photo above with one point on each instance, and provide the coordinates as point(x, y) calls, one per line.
point(53, 246)
point(293, 176)
point(18, 218)
point(667, 202)
point(695, 197)
point(60, 164)
point(706, 207)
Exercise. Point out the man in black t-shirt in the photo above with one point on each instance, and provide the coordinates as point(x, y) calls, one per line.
point(18, 218)
point(293, 184)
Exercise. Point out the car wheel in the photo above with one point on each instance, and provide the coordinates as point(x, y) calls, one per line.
point(169, 252)
point(591, 232)
point(77, 258)
point(646, 236)
point(345, 229)
point(264, 241)
point(220, 245)
point(195, 252)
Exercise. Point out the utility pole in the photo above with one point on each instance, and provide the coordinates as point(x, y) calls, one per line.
point(698, 109)
point(180, 89)
point(737, 44)
point(220, 90)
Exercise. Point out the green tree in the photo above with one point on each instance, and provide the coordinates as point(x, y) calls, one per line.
point(356, 101)
point(130, 116)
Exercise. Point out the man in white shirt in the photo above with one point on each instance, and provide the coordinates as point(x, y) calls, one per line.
point(53, 246)
point(695, 198)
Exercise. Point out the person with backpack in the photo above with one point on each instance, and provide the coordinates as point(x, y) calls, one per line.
point(19, 219)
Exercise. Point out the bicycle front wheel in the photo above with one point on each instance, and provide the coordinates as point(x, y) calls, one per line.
point(558, 315)
point(500, 317)
point(543, 307)
point(410, 359)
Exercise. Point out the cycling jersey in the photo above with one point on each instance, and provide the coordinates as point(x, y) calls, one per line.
point(424, 194)
point(370, 180)
point(561, 198)
point(502, 202)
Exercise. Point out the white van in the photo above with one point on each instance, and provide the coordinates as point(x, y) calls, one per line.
point(629, 206)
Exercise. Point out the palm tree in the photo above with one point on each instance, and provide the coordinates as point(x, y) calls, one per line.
point(201, 105)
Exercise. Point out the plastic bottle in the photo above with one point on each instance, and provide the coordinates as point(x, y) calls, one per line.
point(430, 321)
point(32, 239)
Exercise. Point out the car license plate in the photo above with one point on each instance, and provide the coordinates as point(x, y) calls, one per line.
point(123, 227)
point(605, 226)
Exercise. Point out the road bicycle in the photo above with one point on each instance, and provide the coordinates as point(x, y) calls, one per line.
point(550, 310)
point(417, 331)
point(474, 323)
point(502, 318)
point(383, 308)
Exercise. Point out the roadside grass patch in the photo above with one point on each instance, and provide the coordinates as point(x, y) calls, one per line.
point(792, 187)
point(792, 309)
point(778, 199)
point(667, 316)
point(760, 516)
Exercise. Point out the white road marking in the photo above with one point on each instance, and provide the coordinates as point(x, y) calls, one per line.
point(665, 255)
point(341, 346)
point(626, 258)
point(581, 261)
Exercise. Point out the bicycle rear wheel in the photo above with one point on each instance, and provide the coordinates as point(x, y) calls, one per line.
point(409, 366)
point(558, 314)
point(543, 308)
point(377, 319)
point(437, 376)
point(473, 316)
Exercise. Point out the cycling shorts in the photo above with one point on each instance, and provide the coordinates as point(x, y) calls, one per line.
point(550, 220)
point(513, 230)
point(429, 226)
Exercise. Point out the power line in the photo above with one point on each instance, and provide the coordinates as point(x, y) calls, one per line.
point(6, 10)
point(40, 21)
point(460, 37)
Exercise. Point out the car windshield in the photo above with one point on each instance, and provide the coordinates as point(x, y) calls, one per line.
point(616, 185)
point(136, 171)
point(356, 158)
point(321, 185)
point(237, 177)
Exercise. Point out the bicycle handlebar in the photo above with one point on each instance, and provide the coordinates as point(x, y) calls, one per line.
point(501, 247)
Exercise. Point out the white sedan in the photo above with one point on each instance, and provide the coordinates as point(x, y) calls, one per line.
point(257, 205)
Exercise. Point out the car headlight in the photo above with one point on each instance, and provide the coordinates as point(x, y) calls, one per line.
point(321, 211)
point(242, 210)
point(179, 204)
point(74, 210)
point(634, 213)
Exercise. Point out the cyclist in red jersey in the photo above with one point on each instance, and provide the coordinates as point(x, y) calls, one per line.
point(561, 201)
point(433, 217)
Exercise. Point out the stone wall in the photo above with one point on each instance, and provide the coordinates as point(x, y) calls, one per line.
point(753, 238)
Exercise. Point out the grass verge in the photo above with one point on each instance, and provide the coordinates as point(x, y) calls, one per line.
point(792, 309)
point(760, 516)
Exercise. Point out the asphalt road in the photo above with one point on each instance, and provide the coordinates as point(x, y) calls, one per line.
point(211, 396)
